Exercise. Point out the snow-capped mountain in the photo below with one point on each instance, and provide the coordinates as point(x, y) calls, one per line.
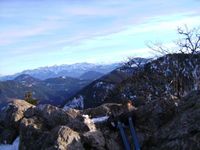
point(73, 70)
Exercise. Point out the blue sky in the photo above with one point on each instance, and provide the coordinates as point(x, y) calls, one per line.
point(37, 33)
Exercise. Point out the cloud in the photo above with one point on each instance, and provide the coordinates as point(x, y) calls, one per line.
point(14, 35)
point(70, 31)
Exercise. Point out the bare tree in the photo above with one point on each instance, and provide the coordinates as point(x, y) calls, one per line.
point(190, 44)
point(159, 49)
point(190, 41)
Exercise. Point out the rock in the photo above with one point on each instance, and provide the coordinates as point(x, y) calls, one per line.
point(82, 124)
point(31, 133)
point(150, 117)
point(98, 111)
point(112, 140)
point(52, 115)
point(159, 124)
point(94, 140)
point(89, 123)
point(11, 115)
point(183, 131)
point(66, 139)
point(103, 110)
point(7, 136)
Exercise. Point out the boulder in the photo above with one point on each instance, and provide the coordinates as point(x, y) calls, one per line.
point(94, 140)
point(7, 136)
point(66, 139)
point(32, 133)
point(11, 115)
point(82, 124)
point(112, 139)
point(103, 110)
point(52, 115)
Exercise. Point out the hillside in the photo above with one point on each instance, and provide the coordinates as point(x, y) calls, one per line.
point(53, 91)
point(91, 75)
point(96, 92)
point(172, 75)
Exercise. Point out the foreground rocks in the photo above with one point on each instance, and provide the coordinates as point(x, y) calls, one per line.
point(160, 124)
point(10, 118)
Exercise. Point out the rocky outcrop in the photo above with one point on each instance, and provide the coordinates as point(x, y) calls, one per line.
point(94, 140)
point(160, 124)
point(48, 125)
point(10, 117)
point(183, 131)
point(65, 138)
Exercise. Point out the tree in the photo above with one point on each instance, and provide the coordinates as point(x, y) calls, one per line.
point(189, 43)
point(29, 98)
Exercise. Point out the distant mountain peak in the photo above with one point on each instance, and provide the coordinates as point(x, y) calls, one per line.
point(69, 70)
point(24, 77)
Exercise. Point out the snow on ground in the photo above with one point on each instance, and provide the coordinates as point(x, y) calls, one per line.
point(14, 146)
point(100, 119)
point(75, 103)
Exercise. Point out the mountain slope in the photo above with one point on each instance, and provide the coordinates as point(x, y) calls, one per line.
point(91, 75)
point(170, 76)
point(95, 93)
point(53, 91)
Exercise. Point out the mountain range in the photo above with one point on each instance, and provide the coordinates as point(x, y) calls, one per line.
point(74, 70)
point(50, 87)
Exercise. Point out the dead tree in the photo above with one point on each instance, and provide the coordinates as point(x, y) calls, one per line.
point(189, 43)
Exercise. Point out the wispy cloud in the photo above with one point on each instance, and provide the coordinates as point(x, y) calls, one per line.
point(74, 31)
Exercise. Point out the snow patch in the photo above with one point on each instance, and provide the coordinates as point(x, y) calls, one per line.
point(99, 84)
point(75, 103)
point(100, 119)
point(14, 146)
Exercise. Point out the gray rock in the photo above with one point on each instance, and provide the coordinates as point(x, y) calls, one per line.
point(7, 136)
point(94, 139)
point(11, 115)
point(66, 139)
point(32, 131)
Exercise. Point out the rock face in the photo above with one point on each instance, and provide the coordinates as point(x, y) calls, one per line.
point(66, 138)
point(12, 114)
point(163, 125)
point(10, 118)
point(183, 131)
point(160, 124)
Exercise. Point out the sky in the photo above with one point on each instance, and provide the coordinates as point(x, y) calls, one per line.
point(38, 33)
